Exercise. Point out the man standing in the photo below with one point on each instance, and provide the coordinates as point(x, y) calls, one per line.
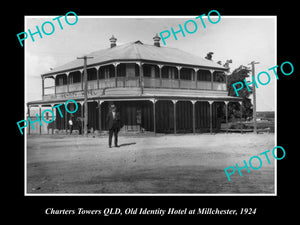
point(113, 120)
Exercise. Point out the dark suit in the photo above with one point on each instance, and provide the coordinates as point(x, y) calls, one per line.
point(113, 127)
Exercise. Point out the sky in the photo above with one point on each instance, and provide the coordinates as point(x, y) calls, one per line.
point(240, 38)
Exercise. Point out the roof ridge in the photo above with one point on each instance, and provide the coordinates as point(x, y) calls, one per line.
point(160, 46)
point(138, 42)
point(137, 50)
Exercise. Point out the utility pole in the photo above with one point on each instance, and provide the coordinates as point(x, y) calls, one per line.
point(85, 92)
point(254, 96)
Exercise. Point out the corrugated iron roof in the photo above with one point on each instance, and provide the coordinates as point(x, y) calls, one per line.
point(139, 51)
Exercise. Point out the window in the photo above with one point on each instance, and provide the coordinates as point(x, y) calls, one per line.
point(91, 74)
point(61, 80)
point(75, 77)
point(203, 75)
point(169, 72)
point(147, 70)
point(121, 70)
point(185, 74)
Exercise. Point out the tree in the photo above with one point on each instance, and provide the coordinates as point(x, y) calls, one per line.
point(238, 75)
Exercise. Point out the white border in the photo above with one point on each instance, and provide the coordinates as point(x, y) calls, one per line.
point(156, 194)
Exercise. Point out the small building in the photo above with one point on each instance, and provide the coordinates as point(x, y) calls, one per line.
point(155, 88)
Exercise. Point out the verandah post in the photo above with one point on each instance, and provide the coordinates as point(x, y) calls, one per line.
point(174, 110)
point(194, 117)
point(154, 115)
point(241, 108)
point(226, 113)
point(141, 78)
point(210, 115)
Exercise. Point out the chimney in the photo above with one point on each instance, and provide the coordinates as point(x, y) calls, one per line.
point(156, 40)
point(113, 41)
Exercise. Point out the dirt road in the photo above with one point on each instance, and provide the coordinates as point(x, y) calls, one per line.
point(146, 164)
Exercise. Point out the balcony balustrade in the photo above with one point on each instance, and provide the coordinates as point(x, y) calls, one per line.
point(61, 89)
point(75, 87)
point(148, 83)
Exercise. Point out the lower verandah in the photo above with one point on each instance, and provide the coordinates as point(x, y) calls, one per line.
point(139, 115)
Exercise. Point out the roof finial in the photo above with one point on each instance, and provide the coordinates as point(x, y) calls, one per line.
point(156, 39)
point(113, 41)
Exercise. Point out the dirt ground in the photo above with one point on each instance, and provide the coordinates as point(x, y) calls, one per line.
point(189, 164)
